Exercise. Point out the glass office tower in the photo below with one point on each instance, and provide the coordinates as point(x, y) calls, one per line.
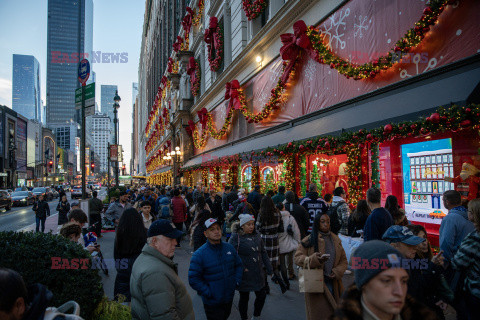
point(26, 87)
point(69, 38)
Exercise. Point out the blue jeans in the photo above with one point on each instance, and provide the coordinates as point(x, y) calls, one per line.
point(38, 220)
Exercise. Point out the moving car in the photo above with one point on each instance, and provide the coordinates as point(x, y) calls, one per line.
point(20, 189)
point(77, 192)
point(43, 191)
point(5, 200)
point(97, 187)
point(55, 194)
point(22, 198)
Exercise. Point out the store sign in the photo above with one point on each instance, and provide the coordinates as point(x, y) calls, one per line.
point(3, 174)
point(425, 166)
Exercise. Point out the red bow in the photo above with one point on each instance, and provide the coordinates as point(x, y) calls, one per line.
point(202, 115)
point(164, 81)
point(231, 92)
point(210, 38)
point(164, 112)
point(292, 44)
point(187, 20)
point(170, 65)
point(169, 143)
point(191, 69)
point(191, 127)
point(177, 45)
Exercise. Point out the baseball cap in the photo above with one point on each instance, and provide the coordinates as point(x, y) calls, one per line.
point(165, 228)
point(75, 203)
point(210, 222)
point(377, 256)
point(401, 234)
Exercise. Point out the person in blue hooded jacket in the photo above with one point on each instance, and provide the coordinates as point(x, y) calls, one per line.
point(215, 272)
point(455, 226)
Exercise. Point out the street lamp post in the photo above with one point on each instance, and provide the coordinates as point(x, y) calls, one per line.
point(116, 99)
point(175, 157)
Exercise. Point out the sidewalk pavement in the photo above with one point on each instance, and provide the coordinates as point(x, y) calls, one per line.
point(51, 224)
point(290, 305)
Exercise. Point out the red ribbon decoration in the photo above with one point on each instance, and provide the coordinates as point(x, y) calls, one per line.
point(232, 94)
point(191, 127)
point(177, 45)
point(164, 81)
point(188, 20)
point(170, 65)
point(169, 143)
point(210, 37)
point(191, 69)
point(164, 112)
point(292, 45)
point(202, 115)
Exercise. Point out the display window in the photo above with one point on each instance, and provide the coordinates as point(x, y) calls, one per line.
point(327, 172)
point(425, 169)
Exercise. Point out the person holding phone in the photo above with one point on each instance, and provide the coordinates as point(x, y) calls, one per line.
point(325, 251)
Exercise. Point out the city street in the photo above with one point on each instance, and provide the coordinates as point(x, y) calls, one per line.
point(23, 217)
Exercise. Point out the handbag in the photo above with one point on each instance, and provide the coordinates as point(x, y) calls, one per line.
point(310, 280)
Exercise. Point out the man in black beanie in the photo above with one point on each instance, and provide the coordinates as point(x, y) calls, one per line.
point(380, 289)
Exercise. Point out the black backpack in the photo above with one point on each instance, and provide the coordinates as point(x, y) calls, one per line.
point(332, 212)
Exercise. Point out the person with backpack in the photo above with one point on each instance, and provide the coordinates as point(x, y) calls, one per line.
point(251, 249)
point(288, 241)
point(164, 208)
point(313, 204)
point(298, 212)
point(339, 212)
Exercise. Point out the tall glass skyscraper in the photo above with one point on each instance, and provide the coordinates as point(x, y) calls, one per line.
point(106, 105)
point(69, 38)
point(26, 87)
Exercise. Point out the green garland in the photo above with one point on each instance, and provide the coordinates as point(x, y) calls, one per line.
point(375, 167)
point(314, 178)
point(303, 173)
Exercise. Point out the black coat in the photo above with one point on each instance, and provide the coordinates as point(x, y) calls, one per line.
point(254, 198)
point(301, 217)
point(231, 197)
point(122, 280)
point(42, 209)
point(63, 208)
point(216, 208)
point(199, 238)
point(353, 225)
point(251, 249)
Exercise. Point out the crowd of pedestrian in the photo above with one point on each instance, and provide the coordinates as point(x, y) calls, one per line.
point(239, 239)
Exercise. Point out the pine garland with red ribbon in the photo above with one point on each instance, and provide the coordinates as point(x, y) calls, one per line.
point(193, 70)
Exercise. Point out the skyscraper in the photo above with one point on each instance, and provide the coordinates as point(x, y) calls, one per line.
point(99, 126)
point(106, 105)
point(69, 39)
point(26, 87)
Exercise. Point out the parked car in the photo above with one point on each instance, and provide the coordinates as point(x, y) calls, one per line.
point(22, 198)
point(42, 191)
point(55, 193)
point(5, 200)
point(49, 192)
point(20, 189)
point(77, 192)
point(97, 187)
point(10, 191)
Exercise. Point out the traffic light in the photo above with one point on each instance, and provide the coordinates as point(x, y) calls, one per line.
point(123, 170)
point(93, 165)
point(50, 165)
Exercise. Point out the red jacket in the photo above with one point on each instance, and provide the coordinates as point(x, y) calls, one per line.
point(179, 209)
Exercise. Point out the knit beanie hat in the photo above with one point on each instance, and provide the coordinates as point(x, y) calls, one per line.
point(244, 218)
point(371, 258)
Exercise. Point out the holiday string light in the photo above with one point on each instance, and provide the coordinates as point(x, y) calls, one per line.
point(254, 8)
point(198, 13)
point(375, 166)
point(303, 173)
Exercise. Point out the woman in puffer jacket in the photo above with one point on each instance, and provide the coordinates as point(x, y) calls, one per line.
point(249, 245)
point(288, 242)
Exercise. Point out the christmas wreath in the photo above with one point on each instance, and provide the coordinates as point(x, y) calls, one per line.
point(254, 8)
point(214, 39)
point(193, 70)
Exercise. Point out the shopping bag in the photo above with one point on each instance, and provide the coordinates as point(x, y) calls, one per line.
point(310, 280)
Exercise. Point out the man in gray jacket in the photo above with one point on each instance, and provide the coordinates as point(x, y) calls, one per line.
point(115, 209)
point(157, 291)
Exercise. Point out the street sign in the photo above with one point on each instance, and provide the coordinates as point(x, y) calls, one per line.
point(89, 96)
point(83, 71)
point(113, 152)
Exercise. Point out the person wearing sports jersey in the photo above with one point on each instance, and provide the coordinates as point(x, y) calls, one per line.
point(314, 204)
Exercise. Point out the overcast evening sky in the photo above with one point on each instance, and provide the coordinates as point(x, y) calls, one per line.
point(117, 27)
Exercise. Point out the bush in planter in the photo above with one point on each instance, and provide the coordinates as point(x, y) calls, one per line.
point(31, 255)
point(112, 310)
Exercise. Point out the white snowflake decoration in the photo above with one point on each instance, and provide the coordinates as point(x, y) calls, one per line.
point(332, 32)
point(360, 27)
point(309, 72)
